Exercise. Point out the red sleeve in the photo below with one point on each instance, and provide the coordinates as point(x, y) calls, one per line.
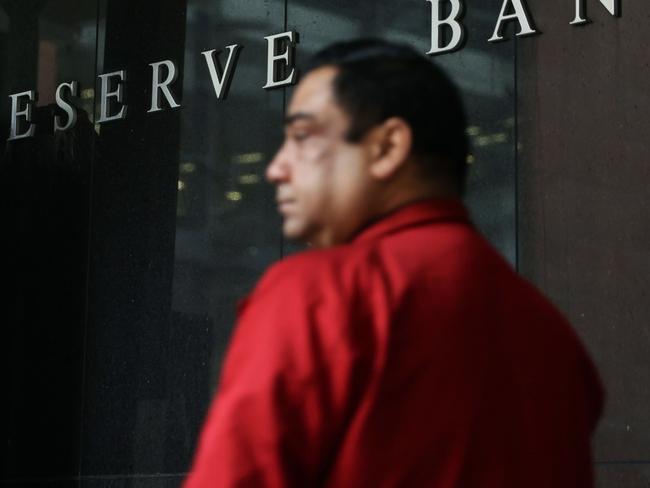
point(291, 378)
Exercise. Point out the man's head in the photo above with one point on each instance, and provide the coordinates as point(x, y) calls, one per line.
point(371, 126)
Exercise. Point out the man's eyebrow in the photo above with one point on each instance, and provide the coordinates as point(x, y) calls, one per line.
point(290, 119)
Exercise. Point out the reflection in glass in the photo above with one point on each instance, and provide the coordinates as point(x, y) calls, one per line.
point(44, 209)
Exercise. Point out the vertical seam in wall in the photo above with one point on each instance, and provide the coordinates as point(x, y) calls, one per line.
point(91, 182)
point(516, 151)
point(284, 113)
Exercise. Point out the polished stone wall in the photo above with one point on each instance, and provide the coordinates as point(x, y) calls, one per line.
point(584, 225)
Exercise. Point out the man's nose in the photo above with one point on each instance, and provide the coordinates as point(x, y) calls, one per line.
point(278, 169)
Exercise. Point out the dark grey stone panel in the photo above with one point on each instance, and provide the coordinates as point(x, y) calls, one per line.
point(584, 226)
point(632, 475)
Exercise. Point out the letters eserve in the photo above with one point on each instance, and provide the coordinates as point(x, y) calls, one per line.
point(446, 18)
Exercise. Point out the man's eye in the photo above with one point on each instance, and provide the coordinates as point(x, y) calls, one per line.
point(300, 136)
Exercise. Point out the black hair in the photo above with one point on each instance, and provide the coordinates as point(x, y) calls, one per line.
point(378, 79)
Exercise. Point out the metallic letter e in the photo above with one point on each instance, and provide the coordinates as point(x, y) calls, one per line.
point(286, 56)
point(118, 94)
point(26, 112)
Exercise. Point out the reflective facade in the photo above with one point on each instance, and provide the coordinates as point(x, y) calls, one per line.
point(126, 244)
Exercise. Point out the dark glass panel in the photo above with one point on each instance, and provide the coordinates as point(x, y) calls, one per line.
point(182, 226)
point(44, 210)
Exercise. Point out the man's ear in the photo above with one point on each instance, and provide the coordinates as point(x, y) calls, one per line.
point(390, 145)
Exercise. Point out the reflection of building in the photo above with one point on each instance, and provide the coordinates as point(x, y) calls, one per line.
point(124, 308)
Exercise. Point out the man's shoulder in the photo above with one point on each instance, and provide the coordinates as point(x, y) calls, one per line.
point(316, 291)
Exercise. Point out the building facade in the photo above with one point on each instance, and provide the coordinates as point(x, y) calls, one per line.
point(129, 235)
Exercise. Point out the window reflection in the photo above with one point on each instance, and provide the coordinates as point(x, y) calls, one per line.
point(44, 206)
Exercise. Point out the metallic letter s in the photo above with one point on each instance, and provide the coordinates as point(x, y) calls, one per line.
point(73, 86)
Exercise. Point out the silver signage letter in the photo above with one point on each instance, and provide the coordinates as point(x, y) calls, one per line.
point(26, 112)
point(453, 21)
point(286, 56)
point(157, 85)
point(221, 84)
point(613, 6)
point(73, 86)
point(118, 94)
point(520, 15)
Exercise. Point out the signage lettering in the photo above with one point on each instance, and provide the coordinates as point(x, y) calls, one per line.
point(222, 84)
point(106, 96)
point(445, 15)
point(272, 65)
point(613, 6)
point(519, 14)
point(73, 86)
point(452, 21)
point(158, 86)
point(26, 113)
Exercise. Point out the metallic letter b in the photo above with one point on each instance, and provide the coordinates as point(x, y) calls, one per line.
point(453, 21)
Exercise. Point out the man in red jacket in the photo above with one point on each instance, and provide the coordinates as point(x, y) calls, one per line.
point(402, 350)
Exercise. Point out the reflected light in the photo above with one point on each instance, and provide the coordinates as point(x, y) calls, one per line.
point(471, 159)
point(249, 179)
point(473, 130)
point(188, 167)
point(248, 158)
point(181, 185)
point(88, 93)
point(233, 196)
point(491, 139)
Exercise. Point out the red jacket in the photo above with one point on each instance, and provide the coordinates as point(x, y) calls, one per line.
point(414, 356)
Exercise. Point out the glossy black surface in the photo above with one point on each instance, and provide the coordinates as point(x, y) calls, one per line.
point(44, 205)
point(146, 481)
point(181, 228)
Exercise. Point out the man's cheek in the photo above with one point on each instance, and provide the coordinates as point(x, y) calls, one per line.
point(320, 151)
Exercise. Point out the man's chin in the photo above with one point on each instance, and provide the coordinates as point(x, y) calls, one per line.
point(300, 235)
point(293, 232)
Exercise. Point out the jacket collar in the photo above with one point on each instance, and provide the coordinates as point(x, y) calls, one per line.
point(414, 213)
